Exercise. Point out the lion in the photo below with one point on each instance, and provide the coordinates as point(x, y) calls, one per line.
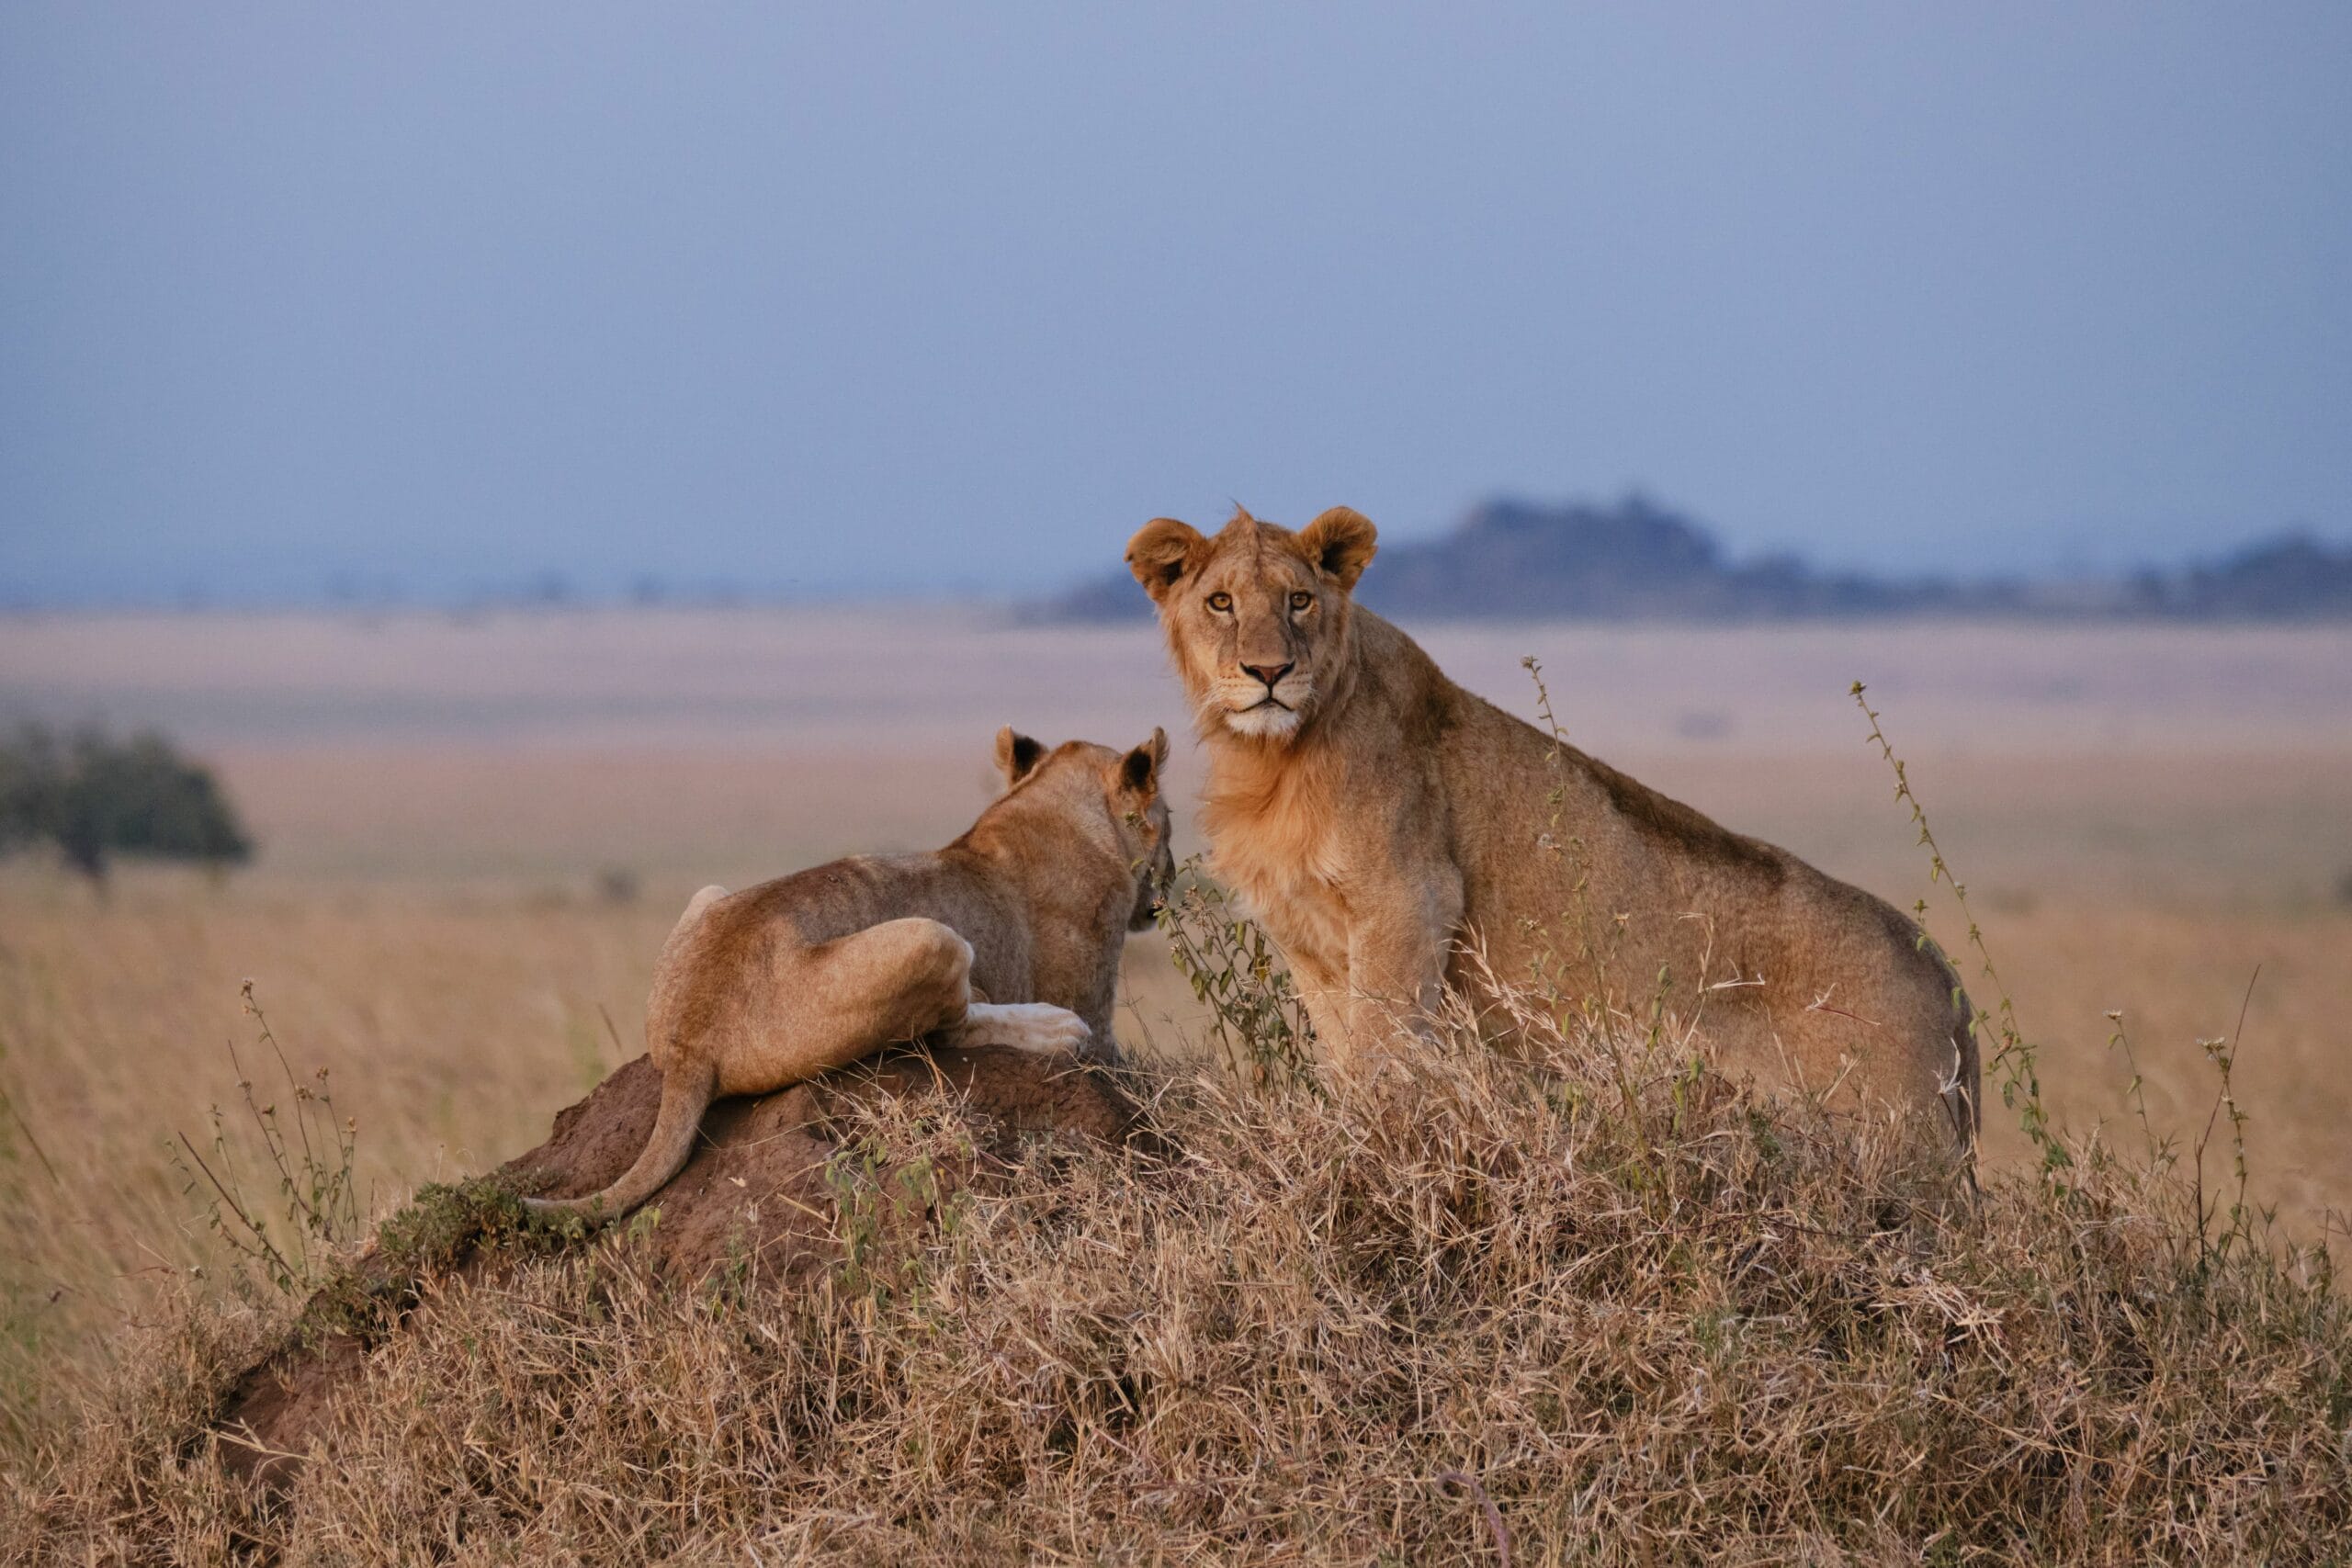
point(1400, 838)
point(1009, 936)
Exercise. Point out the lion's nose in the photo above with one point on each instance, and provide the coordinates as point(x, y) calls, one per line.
point(1269, 673)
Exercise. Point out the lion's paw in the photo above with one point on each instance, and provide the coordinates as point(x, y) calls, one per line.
point(1025, 1026)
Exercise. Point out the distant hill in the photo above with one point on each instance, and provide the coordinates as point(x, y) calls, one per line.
point(1520, 561)
point(2290, 578)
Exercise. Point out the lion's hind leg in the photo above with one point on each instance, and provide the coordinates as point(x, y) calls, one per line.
point(939, 1002)
point(899, 981)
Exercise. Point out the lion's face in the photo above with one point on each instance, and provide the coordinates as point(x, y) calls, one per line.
point(1257, 617)
point(1150, 845)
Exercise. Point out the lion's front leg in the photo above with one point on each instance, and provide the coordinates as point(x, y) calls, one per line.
point(1396, 961)
point(1323, 992)
point(1396, 981)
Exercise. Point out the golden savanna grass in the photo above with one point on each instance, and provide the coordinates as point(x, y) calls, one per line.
point(1585, 1306)
point(452, 816)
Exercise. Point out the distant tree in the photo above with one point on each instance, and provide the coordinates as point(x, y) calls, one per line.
point(29, 769)
point(94, 797)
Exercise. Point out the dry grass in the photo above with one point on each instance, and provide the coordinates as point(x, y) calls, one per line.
point(2145, 823)
point(1583, 1308)
point(453, 1027)
point(450, 1033)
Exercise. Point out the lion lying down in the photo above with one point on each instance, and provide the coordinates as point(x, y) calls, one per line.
point(1009, 936)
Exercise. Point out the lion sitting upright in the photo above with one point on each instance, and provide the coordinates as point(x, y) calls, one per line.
point(1384, 823)
point(1009, 936)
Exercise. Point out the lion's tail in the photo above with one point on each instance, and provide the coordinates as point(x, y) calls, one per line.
point(686, 1093)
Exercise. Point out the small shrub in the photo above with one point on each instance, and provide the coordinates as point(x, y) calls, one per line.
point(302, 1213)
point(1257, 1025)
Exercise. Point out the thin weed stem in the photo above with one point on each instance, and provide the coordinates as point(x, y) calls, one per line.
point(2014, 1064)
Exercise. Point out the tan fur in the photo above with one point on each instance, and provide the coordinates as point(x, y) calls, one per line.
point(1010, 935)
point(1391, 831)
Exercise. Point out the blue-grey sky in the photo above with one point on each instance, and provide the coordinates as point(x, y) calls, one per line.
point(883, 297)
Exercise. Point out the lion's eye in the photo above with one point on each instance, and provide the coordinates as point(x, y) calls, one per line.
point(1220, 602)
point(1301, 600)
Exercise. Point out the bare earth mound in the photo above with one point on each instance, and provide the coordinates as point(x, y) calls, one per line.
point(755, 1195)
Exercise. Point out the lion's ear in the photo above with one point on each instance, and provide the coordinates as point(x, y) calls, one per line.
point(1341, 543)
point(1139, 769)
point(1016, 754)
point(1162, 552)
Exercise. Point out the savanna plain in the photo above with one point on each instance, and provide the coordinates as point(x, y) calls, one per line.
point(475, 830)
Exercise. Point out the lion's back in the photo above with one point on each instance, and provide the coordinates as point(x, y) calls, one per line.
point(1568, 863)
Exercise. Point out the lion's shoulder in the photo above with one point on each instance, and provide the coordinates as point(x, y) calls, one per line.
point(1427, 715)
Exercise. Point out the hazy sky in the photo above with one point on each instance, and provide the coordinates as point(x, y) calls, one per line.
point(878, 297)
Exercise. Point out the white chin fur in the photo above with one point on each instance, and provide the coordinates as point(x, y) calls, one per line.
point(1266, 723)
